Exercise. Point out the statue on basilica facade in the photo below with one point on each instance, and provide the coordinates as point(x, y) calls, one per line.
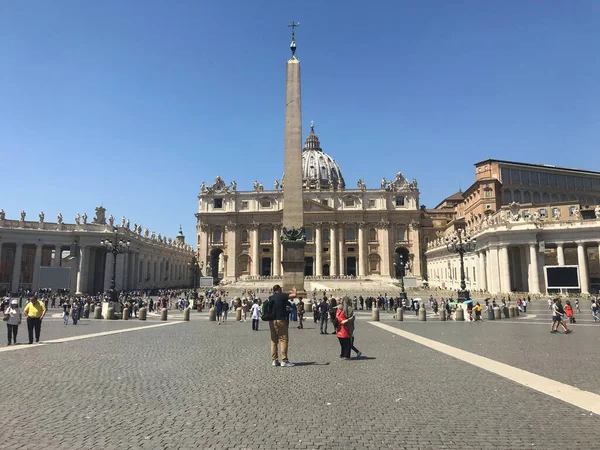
point(2, 214)
point(123, 222)
point(146, 232)
point(100, 216)
point(127, 224)
point(383, 183)
point(59, 218)
point(84, 218)
point(233, 186)
point(23, 214)
point(41, 216)
point(203, 187)
point(361, 185)
point(78, 219)
point(111, 220)
point(276, 185)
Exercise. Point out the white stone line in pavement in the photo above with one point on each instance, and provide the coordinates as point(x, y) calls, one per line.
point(569, 394)
point(83, 336)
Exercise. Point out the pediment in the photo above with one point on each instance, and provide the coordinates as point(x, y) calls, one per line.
point(314, 206)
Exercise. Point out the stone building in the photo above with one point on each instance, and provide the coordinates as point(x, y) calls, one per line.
point(524, 217)
point(350, 232)
point(27, 248)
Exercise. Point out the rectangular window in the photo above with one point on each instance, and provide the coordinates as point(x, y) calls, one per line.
point(325, 202)
point(350, 249)
point(326, 235)
point(579, 183)
point(543, 179)
point(556, 213)
point(561, 181)
point(265, 203)
point(349, 202)
point(400, 234)
point(371, 203)
point(587, 184)
point(266, 250)
point(266, 235)
point(572, 210)
point(218, 203)
point(533, 178)
point(551, 180)
point(309, 234)
point(505, 174)
point(400, 200)
point(525, 213)
point(325, 249)
point(570, 182)
point(245, 204)
point(543, 212)
point(217, 237)
point(524, 177)
point(515, 176)
point(350, 234)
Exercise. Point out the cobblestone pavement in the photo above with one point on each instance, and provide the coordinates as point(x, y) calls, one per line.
point(198, 385)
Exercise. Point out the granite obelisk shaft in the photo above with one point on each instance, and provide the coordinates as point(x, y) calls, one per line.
point(293, 210)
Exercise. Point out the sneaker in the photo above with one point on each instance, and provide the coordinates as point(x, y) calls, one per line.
point(568, 331)
point(275, 363)
point(358, 355)
point(553, 331)
point(287, 364)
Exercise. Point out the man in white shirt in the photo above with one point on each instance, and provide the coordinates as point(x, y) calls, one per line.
point(255, 311)
point(13, 316)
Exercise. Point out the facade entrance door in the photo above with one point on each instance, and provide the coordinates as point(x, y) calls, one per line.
point(265, 269)
point(308, 266)
point(351, 266)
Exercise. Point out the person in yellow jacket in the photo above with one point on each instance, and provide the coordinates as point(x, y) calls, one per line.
point(35, 312)
point(477, 311)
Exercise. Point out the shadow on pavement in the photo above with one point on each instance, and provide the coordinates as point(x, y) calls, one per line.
point(299, 364)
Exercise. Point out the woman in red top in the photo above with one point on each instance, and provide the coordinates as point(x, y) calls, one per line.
point(343, 333)
point(569, 312)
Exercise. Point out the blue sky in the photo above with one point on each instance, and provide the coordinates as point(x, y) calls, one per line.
point(133, 104)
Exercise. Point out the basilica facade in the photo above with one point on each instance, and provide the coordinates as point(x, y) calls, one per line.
point(350, 232)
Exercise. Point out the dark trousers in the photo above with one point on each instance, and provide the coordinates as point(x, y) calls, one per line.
point(255, 324)
point(34, 324)
point(75, 316)
point(352, 347)
point(300, 317)
point(12, 331)
point(345, 344)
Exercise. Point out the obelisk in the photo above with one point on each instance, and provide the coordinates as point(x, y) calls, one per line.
point(292, 236)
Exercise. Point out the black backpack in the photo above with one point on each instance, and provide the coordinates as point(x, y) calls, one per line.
point(268, 310)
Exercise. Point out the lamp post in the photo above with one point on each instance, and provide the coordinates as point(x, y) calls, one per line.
point(114, 246)
point(195, 267)
point(461, 242)
point(401, 264)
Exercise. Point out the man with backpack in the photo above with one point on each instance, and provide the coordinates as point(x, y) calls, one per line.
point(276, 312)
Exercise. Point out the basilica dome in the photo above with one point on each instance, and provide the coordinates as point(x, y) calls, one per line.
point(319, 170)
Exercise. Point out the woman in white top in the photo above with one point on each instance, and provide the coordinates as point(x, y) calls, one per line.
point(12, 316)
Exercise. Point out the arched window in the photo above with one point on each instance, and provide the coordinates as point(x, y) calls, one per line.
point(507, 198)
point(244, 236)
point(266, 235)
point(545, 198)
point(526, 197)
point(517, 196)
point(217, 236)
point(555, 198)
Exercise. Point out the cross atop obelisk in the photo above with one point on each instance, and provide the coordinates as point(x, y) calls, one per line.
point(293, 44)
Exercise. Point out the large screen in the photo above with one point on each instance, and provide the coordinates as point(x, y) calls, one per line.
point(562, 277)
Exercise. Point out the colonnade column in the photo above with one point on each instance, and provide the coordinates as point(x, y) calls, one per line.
point(318, 250)
point(583, 268)
point(57, 256)
point(385, 250)
point(276, 251)
point(534, 271)
point(504, 270)
point(108, 271)
point(494, 272)
point(83, 268)
point(333, 269)
point(340, 245)
point(37, 263)
point(255, 263)
point(362, 257)
point(232, 250)
point(560, 254)
point(16, 276)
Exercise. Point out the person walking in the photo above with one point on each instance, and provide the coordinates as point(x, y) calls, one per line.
point(12, 316)
point(75, 312)
point(349, 312)
point(219, 310)
point(65, 314)
point(300, 313)
point(524, 304)
point(569, 312)
point(255, 314)
point(34, 311)
point(343, 332)
point(324, 316)
point(577, 306)
point(557, 317)
point(279, 326)
point(225, 310)
point(595, 310)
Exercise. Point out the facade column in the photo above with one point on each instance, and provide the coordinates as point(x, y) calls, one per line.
point(120, 271)
point(333, 268)
point(560, 254)
point(318, 250)
point(494, 271)
point(583, 268)
point(341, 249)
point(504, 270)
point(57, 255)
point(232, 251)
point(37, 264)
point(534, 271)
point(255, 263)
point(482, 281)
point(385, 250)
point(83, 270)
point(276, 251)
point(203, 244)
point(416, 247)
point(16, 276)
point(362, 257)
